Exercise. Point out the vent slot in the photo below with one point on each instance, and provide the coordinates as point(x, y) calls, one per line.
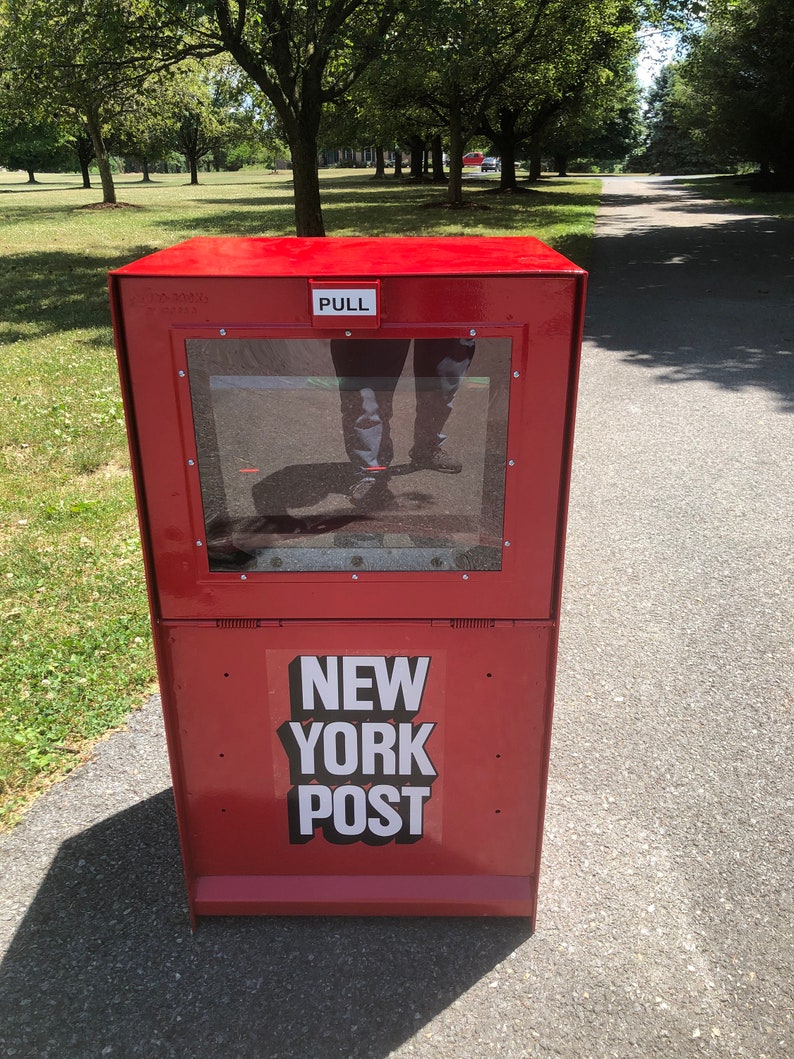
point(237, 623)
point(473, 623)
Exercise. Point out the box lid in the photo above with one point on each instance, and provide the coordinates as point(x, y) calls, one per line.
point(401, 256)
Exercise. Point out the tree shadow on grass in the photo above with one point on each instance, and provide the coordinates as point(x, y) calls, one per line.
point(104, 963)
point(54, 290)
point(384, 209)
point(32, 189)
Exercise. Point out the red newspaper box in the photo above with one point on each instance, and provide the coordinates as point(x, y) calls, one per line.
point(352, 459)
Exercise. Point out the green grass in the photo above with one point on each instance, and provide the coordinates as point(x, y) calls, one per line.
point(75, 646)
point(735, 189)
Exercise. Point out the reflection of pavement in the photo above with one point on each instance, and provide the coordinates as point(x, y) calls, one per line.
point(306, 521)
point(664, 925)
point(273, 493)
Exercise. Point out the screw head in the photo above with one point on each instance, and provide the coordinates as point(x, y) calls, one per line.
point(191, 463)
point(507, 544)
point(243, 577)
point(222, 331)
point(199, 544)
point(355, 577)
point(473, 332)
point(511, 463)
point(465, 577)
point(181, 374)
point(348, 334)
point(516, 374)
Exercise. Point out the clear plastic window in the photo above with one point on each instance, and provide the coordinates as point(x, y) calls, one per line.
point(351, 454)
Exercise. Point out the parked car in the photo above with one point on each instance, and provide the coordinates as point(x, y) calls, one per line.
point(491, 165)
point(473, 158)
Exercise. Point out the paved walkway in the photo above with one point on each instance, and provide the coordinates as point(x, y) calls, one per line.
point(665, 925)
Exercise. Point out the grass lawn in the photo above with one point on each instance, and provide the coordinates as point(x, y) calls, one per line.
point(736, 189)
point(75, 647)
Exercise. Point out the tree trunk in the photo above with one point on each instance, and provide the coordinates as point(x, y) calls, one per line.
point(85, 152)
point(505, 139)
point(507, 154)
point(145, 167)
point(417, 145)
point(380, 164)
point(398, 164)
point(437, 159)
point(85, 173)
point(192, 162)
point(306, 186)
point(561, 163)
point(102, 157)
point(535, 163)
point(456, 149)
point(31, 176)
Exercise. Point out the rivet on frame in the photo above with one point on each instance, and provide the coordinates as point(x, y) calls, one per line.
point(181, 374)
point(516, 374)
point(222, 331)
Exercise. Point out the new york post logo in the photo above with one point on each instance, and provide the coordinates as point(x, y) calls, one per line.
point(359, 765)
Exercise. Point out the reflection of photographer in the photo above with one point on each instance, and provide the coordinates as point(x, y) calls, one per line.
point(368, 372)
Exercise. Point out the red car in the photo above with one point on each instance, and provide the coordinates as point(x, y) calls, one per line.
point(473, 158)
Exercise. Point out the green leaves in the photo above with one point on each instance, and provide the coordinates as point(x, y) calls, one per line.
point(736, 89)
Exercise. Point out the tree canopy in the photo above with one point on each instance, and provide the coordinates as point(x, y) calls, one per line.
point(303, 56)
point(737, 84)
point(513, 74)
point(85, 59)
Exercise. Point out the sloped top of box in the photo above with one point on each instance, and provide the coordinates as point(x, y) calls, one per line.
point(313, 257)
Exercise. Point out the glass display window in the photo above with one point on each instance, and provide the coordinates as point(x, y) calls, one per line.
point(378, 454)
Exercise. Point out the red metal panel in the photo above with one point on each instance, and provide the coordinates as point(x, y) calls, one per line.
point(544, 358)
point(479, 732)
point(410, 256)
point(362, 895)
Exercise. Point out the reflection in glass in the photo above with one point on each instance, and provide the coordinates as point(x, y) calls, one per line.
point(353, 454)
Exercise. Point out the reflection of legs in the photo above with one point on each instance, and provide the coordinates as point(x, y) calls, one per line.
point(366, 417)
point(368, 372)
point(439, 367)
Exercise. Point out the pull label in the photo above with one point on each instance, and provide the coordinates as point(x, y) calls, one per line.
point(345, 304)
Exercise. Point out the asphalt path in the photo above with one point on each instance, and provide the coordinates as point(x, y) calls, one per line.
point(665, 921)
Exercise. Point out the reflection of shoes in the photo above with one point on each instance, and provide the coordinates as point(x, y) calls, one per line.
point(439, 460)
point(367, 491)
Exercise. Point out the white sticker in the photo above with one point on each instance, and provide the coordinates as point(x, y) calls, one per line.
point(345, 301)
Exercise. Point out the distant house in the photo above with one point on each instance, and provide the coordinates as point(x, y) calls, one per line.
point(353, 157)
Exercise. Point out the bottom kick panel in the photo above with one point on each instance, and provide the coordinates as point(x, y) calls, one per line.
point(408, 895)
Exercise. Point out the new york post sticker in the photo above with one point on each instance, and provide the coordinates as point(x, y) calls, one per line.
point(362, 761)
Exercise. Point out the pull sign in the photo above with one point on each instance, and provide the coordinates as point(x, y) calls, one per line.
point(345, 304)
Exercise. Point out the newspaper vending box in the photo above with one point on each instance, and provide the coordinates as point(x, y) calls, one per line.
point(351, 459)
